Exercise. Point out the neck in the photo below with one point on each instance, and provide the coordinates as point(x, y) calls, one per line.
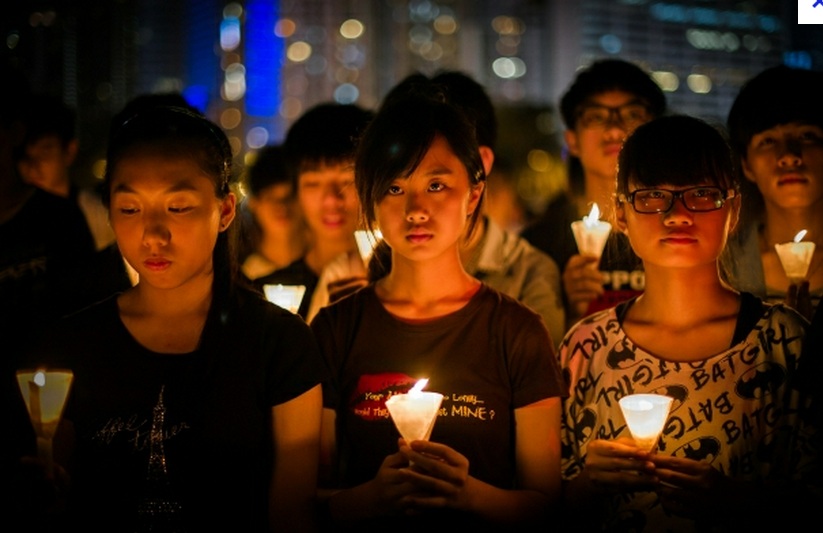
point(425, 282)
point(669, 296)
point(468, 249)
point(194, 298)
point(323, 252)
point(281, 249)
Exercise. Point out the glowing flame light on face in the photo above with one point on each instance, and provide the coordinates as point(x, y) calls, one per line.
point(800, 235)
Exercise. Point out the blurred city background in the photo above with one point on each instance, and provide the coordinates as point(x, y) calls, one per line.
point(254, 66)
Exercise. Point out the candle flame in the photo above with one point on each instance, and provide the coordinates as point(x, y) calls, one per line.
point(39, 378)
point(592, 218)
point(419, 386)
point(800, 235)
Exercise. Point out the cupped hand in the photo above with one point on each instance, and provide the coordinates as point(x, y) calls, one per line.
point(392, 488)
point(440, 474)
point(619, 466)
point(582, 283)
point(692, 488)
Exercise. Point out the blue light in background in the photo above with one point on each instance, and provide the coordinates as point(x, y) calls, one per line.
point(798, 59)
point(264, 57)
point(202, 69)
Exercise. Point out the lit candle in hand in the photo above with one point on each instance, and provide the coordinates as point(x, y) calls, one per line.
point(796, 256)
point(645, 415)
point(591, 233)
point(414, 413)
point(286, 296)
point(45, 394)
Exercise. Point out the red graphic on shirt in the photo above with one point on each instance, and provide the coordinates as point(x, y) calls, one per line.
point(368, 400)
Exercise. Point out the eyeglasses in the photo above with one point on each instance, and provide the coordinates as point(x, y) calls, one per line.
point(628, 115)
point(699, 199)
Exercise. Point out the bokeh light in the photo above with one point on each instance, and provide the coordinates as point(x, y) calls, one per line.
point(351, 29)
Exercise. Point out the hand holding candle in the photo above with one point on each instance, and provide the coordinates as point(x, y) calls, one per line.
point(45, 394)
point(414, 413)
point(591, 233)
point(646, 416)
point(796, 256)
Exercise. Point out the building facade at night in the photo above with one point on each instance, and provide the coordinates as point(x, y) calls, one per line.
point(254, 66)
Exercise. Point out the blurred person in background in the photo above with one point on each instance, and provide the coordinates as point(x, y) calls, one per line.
point(45, 249)
point(320, 147)
point(49, 151)
point(603, 105)
point(272, 223)
point(776, 130)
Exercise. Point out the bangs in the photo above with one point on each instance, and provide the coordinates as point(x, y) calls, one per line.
point(677, 151)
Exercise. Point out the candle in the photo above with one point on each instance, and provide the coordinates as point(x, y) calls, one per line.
point(286, 296)
point(646, 416)
point(591, 233)
point(796, 256)
point(366, 242)
point(45, 394)
point(38, 381)
point(414, 413)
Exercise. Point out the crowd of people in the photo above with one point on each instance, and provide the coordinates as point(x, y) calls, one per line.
point(196, 402)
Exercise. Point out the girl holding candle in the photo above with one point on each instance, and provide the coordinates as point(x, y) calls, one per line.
point(735, 432)
point(195, 402)
point(493, 454)
point(776, 129)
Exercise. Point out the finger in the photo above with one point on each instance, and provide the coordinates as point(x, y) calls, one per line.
point(623, 481)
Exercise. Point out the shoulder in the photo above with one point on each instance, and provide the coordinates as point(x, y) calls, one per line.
point(250, 305)
point(595, 325)
point(783, 316)
point(349, 307)
point(296, 272)
point(506, 311)
point(86, 330)
point(516, 251)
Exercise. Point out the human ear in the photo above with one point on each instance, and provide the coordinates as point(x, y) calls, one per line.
point(71, 151)
point(570, 136)
point(487, 156)
point(228, 208)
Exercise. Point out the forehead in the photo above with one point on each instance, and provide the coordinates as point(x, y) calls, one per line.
point(46, 143)
point(788, 127)
point(154, 173)
point(611, 98)
point(328, 173)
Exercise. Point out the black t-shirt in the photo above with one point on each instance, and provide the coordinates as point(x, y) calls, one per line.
point(45, 251)
point(297, 273)
point(489, 358)
point(213, 407)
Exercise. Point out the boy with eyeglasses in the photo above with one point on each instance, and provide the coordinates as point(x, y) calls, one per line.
point(606, 102)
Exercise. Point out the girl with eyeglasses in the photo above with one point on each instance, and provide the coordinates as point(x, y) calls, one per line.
point(735, 432)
